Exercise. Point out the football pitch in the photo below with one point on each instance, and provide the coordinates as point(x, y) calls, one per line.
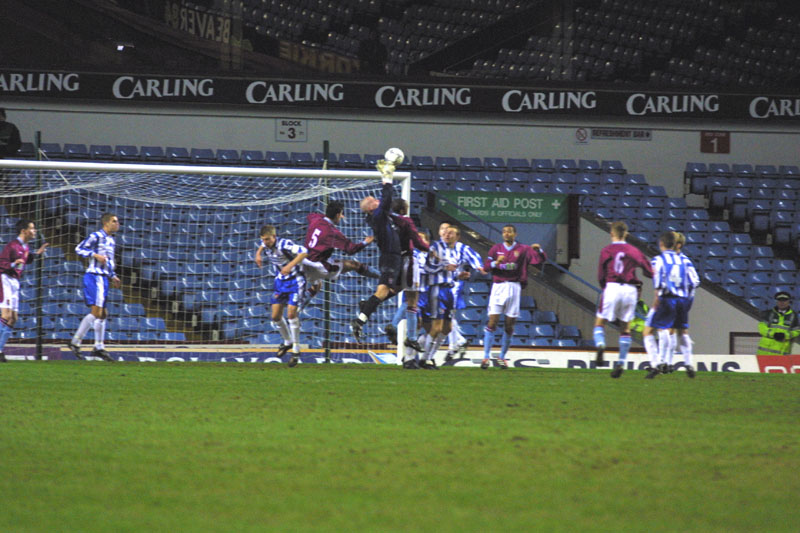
point(90, 446)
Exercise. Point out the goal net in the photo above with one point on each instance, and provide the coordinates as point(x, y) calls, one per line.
point(185, 249)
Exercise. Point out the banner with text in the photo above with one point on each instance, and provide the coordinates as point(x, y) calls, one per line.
point(393, 97)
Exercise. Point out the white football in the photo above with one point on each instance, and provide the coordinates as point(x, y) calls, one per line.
point(394, 156)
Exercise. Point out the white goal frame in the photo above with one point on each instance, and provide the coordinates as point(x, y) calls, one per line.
point(403, 177)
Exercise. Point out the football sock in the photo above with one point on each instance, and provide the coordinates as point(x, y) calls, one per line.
point(86, 323)
point(294, 330)
point(283, 329)
point(673, 344)
point(5, 334)
point(411, 322)
point(99, 334)
point(399, 314)
point(664, 342)
point(505, 342)
point(686, 348)
point(624, 347)
point(651, 346)
point(488, 340)
point(435, 346)
point(599, 337)
point(369, 307)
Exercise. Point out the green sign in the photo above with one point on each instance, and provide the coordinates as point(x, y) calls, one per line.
point(505, 207)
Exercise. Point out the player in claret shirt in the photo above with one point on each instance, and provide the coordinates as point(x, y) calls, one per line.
point(508, 262)
point(13, 258)
point(616, 273)
point(322, 238)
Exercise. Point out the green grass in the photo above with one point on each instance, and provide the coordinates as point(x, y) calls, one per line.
point(216, 447)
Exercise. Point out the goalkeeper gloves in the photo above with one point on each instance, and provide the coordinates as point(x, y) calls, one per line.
point(386, 169)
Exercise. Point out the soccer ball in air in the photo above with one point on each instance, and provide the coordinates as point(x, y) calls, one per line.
point(394, 156)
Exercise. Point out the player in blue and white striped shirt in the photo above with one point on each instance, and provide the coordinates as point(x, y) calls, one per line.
point(98, 247)
point(674, 281)
point(289, 286)
point(449, 260)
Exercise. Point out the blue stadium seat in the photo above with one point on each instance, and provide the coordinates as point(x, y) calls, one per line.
point(697, 176)
point(473, 163)
point(568, 332)
point(101, 152)
point(126, 152)
point(52, 150)
point(302, 159)
point(591, 166)
point(332, 161)
point(741, 264)
point(26, 151)
point(253, 157)
point(178, 154)
point(423, 162)
point(545, 317)
point(540, 341)
point(228, 157)
point(494, 163)
point(172, 336)
point(542, 330)
point(542, 165)
point(565, 165)
point(279, 158)
point(202, 156)
point(613, 166)
point(153, 154)
point(371, 160)
point(518, 164)
point(446, 163)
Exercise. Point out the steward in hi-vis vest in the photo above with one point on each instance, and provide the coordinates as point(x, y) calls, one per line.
point(779, 326)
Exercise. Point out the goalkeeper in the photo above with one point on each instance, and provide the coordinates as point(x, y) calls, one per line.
point(387, 235)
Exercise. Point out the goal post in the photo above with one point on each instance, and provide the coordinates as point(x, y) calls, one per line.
point(185, 249)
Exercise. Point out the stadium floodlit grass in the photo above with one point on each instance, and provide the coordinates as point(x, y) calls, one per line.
point(236, 447)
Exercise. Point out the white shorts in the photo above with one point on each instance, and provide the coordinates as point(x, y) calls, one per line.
point(618, 301)
point(412, 279)
point(9, 297)
point(316, 271)
point(504, 299)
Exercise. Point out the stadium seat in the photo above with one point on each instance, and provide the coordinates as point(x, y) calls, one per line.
point(446, 163)
point(542, 330)
point(278, 158)
point(178, 154)
point(494, 163)
point(202, 156)
point(125, 152)
point(473, 163)
point(228, 157)
point(26, 151)
point(542, 165)
point(518, 164)
point(101, 152)
point(253, 157)
point(545, 317)
point(591, 166)
point(422, 162)
point(541, 341)
point(152, 154)
point(52, 150)
point(613, 166)
point(565, 165)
